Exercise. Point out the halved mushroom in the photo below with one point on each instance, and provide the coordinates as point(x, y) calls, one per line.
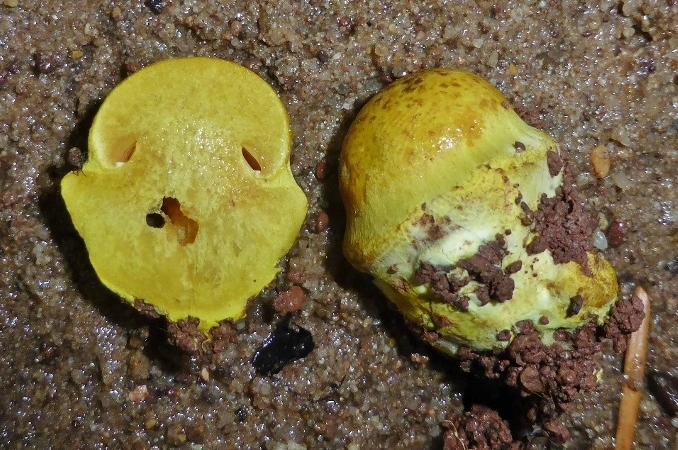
point(187, 200)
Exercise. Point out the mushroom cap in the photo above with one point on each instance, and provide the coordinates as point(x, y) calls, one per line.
point(187, 200)
point(421, 137)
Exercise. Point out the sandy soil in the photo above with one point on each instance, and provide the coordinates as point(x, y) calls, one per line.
point(80, 369)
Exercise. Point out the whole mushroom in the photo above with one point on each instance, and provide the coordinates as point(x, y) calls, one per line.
point(462, 214)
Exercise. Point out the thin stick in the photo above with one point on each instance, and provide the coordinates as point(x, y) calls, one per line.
point(634, 371)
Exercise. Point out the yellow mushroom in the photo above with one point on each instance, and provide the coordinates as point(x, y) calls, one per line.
point(187, 200)
point(437, 170)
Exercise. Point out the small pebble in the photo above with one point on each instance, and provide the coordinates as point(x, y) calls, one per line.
point(196, 432)
point(241, 414)
point(78, 377)
point(235, 28)
point(418, 358)
point(530, 379)
point(620, 135)
point(14, 67)
point(296, 276)
point(538, 443)
point(622, 181)
point(289, 301)
point(155, 6)
point(600, 240)
point(600, 159)
point(176, 435)
point(205, 374)
point(672, 266)
point(321, 170)
point(322, 222)
point(47, 63)
point(49, 351)
point(288, 342)
point(323, 56)
point(131, 68)
point(616, 234)
point(138, 394)
point(504, 336)
point(139, 366)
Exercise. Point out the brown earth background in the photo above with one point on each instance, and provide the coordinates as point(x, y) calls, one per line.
point(80, 369)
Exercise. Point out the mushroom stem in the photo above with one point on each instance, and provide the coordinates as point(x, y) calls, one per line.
point(634, 372)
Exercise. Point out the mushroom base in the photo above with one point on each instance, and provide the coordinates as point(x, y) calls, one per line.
point(530, 383)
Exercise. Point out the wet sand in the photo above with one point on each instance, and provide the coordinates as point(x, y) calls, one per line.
point(80, 369)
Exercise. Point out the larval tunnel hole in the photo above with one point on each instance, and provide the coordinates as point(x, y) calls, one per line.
point(185, 227)
point(155, 220)
point(251, 160)
point(123, 154)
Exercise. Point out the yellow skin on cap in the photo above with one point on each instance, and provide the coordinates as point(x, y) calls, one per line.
point(440, 145)
point(187, 200)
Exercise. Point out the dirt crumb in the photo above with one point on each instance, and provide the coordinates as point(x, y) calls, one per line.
point(139, 366)
point(555, 163)
point(289, 301)
point(146, 309)
point(186, 334)
point(616, 234)
point(484, 268)
point(563, 225)
point(322, 222)
point(625, 318)
point(548, 378)
point(480, 428)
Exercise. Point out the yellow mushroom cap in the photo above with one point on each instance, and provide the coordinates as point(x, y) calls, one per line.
point(187, 200)
point(423, 136)
point(432, 169)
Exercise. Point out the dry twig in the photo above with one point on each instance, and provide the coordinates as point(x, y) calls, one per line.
point(634, 371)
